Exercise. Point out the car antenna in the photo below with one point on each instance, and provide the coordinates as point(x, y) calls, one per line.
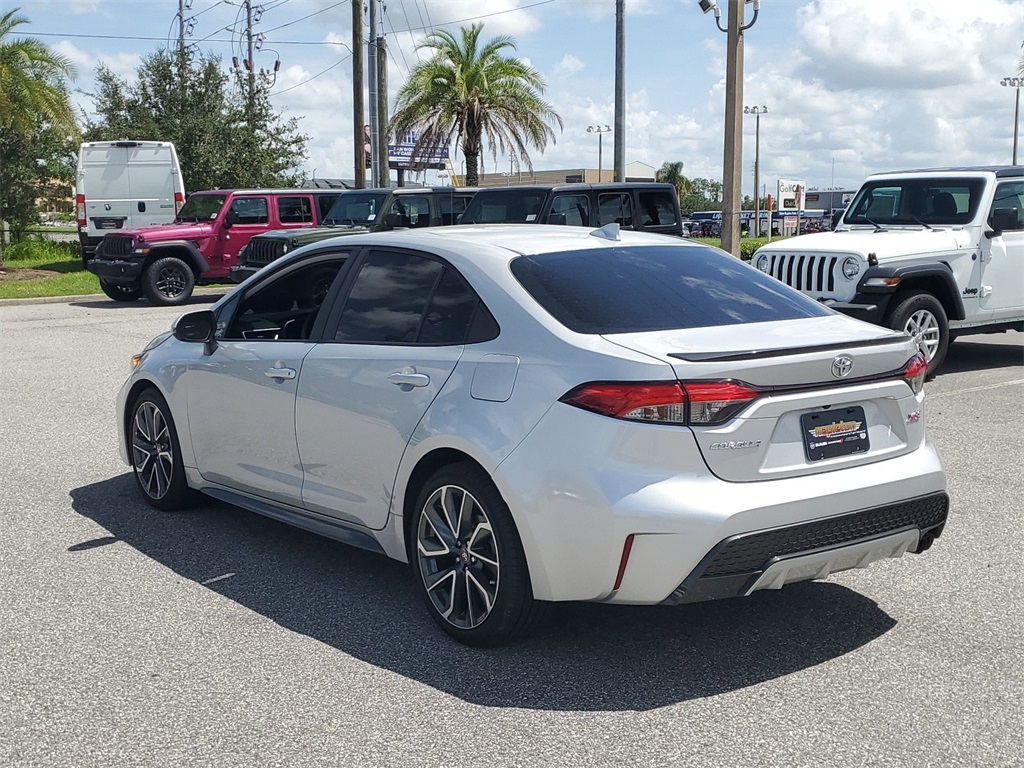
point(607, 232)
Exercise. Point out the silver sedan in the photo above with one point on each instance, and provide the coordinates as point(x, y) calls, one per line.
point(533, 414)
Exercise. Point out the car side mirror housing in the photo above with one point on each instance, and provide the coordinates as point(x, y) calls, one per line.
point(230, 219)
point(556, 218)
point(195, 327)
point(1002, 219)
point(392, 220)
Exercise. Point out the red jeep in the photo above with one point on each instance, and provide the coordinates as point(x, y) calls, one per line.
point(165, 262)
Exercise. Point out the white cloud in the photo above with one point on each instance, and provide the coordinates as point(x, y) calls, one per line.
point(568, 66)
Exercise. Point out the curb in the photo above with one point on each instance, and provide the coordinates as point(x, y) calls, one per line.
point(86, 296)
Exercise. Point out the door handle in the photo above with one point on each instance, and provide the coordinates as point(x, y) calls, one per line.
point(280, 373)
point(408, 377)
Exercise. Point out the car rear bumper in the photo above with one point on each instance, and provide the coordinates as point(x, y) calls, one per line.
point(581, 485)
point(116, 271)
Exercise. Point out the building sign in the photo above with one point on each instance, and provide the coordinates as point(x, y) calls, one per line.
point(400, 155)
point(791, 194)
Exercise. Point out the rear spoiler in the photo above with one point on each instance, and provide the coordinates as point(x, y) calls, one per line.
point(760, 354)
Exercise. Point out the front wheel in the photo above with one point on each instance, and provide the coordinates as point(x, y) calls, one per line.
point(156, 453)
point(168, 281)
point(921, 315)
point(468, 561)
point(121, 292)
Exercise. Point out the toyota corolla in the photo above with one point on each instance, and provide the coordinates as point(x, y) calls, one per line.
point(528, 415)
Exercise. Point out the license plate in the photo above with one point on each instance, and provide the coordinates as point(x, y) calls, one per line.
point(835, 432)
point(109, 223)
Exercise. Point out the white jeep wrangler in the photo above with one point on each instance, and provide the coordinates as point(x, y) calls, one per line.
point(933, 252)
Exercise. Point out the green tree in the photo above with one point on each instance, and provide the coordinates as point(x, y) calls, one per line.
point(672, 173)
point(222, 140)
point(704, 195)
point(37, 125)
point(472, 92)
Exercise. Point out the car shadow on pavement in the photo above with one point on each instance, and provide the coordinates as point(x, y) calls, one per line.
point(196, 298)
point(969, 354)
point(586, 657)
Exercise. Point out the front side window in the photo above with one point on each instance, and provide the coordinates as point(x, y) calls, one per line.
point(294, 210)
point(1008, 206)
point(631, 289)
point(615, 209)
point(452, 207)
point(573, 210)
point(285, 306)
point(919, 201)
point(250, 210)
point(410, 212)
point(402, 298)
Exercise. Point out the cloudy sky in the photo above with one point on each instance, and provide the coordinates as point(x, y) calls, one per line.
point(851, 87)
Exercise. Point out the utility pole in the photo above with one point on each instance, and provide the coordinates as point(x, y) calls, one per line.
point(382, 112)
point(359, 152)
point(181, 42)
point(252, 62)
point(372, 76)
point(732, 165)
point(620, 90)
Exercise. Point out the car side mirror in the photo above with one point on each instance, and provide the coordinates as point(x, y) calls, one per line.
point(392, 220)
point(1002, 219)
point(556, 218)
point(230, 219)
point(195, 327)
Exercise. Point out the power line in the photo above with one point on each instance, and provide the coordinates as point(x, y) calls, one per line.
point(314, 77)
point(205, 39)
point(303, 18)
point(475, 18)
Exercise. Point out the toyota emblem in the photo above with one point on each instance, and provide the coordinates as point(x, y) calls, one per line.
point(842, 366)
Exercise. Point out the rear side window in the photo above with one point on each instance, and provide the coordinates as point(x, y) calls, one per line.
point(513, 206)
point(656, 288)
point(452, 206)
point(294, 210)
point(656, 209)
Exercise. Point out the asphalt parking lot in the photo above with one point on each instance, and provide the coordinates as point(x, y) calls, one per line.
point(130, 637)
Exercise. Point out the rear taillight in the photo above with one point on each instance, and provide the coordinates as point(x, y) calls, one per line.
point(80, 209)
point(179, 200)
point(701, 403)
point(915, 371)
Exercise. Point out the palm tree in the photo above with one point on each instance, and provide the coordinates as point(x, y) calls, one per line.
point(472, 93)
point(672, 173)
point(32, 82)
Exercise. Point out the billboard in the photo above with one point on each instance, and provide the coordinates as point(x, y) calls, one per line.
point(791, 194)
point(400, 155)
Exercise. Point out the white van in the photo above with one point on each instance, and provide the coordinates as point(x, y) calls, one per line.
point(124, 184)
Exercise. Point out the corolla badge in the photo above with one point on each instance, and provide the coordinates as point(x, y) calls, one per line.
point(842, 366)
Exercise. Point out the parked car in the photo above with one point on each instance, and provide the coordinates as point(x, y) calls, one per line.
point(125, 184)
point(538, 414)
point(643, 206)
point(356, 211)
point(166, 262)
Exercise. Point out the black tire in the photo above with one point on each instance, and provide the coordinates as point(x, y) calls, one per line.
point(121, 292)
point(168, 281)
point(482, 562)
point(921, 315)
point(156, 453)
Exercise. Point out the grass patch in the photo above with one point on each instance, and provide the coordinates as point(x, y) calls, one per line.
point(63, 258)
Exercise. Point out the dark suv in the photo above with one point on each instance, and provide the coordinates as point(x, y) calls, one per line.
point(361, 210)
point(165, 262)
point(647, 207)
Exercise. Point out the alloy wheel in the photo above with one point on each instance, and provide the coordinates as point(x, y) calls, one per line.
point(923, 326)
point(171, 282)
point(458, 557)
point(152, 454)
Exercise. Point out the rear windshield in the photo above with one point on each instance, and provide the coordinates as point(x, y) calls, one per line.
point(359, 208)
point(631, 289)
point(201, 207)
point(925, 200)
point(511, 206)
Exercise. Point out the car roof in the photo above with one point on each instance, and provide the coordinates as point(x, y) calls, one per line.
point(287, 191)
point(611, 186)
point(998, 170)
point(506, 241)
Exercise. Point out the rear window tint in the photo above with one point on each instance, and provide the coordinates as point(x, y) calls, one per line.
point(631, 289)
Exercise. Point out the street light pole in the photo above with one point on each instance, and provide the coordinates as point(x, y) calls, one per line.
point(1015, 83)
point(599, 130)
point(757, 112)
point(733, 151)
